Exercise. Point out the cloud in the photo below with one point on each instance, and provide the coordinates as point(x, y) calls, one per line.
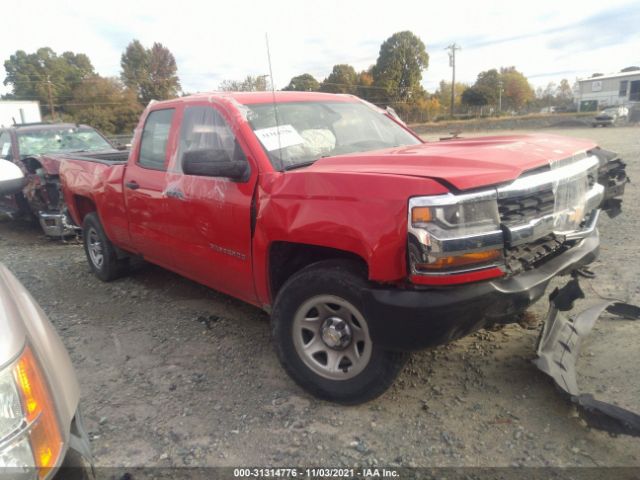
point(213, 41)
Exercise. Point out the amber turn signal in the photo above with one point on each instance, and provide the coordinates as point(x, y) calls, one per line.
point(46, 440)
point(461, 260)
point(420, 215)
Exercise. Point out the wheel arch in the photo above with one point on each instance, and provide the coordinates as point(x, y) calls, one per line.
point(287, 258)
point(80, 207)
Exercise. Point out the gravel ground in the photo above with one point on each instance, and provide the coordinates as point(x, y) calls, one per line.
point(174, 374)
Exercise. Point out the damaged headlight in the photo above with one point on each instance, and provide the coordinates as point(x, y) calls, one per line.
point(452, 233)
point(30, 437)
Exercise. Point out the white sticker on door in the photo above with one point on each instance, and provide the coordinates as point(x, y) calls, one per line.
point(288, 136)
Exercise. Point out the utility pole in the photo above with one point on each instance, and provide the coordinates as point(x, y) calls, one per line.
point(499, 96)
point(53, 113)
point(452, 63)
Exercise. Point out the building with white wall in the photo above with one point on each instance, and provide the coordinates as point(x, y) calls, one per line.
point(16, 111)
point(608, 90)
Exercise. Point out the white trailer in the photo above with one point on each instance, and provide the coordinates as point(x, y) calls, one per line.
point(17, 111)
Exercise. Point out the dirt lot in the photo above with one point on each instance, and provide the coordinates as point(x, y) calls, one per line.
point(175, 374)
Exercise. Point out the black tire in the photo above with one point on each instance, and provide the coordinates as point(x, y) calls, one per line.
point(111, 267)
point(343, 281)
point(74, 467)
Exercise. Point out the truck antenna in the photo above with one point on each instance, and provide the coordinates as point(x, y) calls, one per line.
point(273, 97)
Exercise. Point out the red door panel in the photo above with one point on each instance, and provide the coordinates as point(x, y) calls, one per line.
point(144, 185)
point(209, 218)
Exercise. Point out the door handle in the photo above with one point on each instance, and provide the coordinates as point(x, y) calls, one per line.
point(174, 193)
point(133, 185)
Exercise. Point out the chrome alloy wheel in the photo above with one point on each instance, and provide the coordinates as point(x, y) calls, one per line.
point(94, 246)
point(331, 337)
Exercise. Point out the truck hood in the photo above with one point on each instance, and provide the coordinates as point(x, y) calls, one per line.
point(465, 163)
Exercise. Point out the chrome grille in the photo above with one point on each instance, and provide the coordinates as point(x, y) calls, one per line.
point(519, 210)
point(555, 200)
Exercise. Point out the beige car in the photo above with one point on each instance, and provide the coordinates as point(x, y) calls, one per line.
point(40, 425)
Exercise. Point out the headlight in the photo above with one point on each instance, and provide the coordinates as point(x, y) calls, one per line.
point(10, 408)
point(29, 431)
point(454, 233)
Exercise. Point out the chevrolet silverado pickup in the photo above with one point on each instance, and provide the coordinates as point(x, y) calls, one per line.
point(362, 241)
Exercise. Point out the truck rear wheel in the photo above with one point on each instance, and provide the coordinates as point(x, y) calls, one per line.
point(322, 337)
point(101, 253)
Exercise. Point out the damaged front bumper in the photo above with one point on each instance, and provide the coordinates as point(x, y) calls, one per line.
point(418, 318)
point(558, 352)
point(56, 225)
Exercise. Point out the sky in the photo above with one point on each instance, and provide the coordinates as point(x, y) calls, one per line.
point(215, 41)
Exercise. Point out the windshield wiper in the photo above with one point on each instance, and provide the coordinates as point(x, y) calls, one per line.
point(299, 165)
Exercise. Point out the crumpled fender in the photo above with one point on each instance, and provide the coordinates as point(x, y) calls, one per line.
point(51, 164)
point(559, 348)
point(365, 214)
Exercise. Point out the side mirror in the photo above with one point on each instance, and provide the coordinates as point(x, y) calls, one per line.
point(214, 163)
point(11, 178)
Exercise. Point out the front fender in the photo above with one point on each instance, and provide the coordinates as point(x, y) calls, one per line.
point(364, 214)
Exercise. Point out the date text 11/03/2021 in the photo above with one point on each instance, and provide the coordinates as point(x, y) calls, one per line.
point(371, 472)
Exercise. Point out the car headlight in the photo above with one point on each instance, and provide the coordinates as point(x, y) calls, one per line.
point(453, 233)
point(30, 436)
point(10, 408)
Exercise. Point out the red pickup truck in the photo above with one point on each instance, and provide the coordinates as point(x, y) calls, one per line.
point(28, 146)
point(361, 240)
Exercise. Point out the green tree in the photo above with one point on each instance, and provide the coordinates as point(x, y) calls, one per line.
point(163, 70)
point(303, 83)
point(365, 88)
point(443, 95)
point(342, 79)
point(105, 104)
point(151, 72)
point(249, 84)
point(398, 70)
point(32, 75)
point(489, 83)
point(517, 90)
point(475, 97)
point(564, 91)
point(135, 66)
point(508, 84)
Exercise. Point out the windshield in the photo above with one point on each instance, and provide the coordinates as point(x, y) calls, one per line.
point(609, 111)
point(312, 130)
point(59, 140)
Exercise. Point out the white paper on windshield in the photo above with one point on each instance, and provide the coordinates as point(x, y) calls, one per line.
point(5, 149)
point(289, 136)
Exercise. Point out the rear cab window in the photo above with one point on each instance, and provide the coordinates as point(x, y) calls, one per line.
point(155, 136)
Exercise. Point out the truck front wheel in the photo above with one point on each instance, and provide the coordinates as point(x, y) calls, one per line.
point(322, 337)
point(101, 253)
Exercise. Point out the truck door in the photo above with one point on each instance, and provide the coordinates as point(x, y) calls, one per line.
point(209, 217)
point(144, 184)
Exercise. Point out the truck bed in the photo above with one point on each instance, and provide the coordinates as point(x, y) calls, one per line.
point(109, 158)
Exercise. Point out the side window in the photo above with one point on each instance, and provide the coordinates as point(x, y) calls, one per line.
point(153, 146)
point(203, 128)
point(5, 145)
